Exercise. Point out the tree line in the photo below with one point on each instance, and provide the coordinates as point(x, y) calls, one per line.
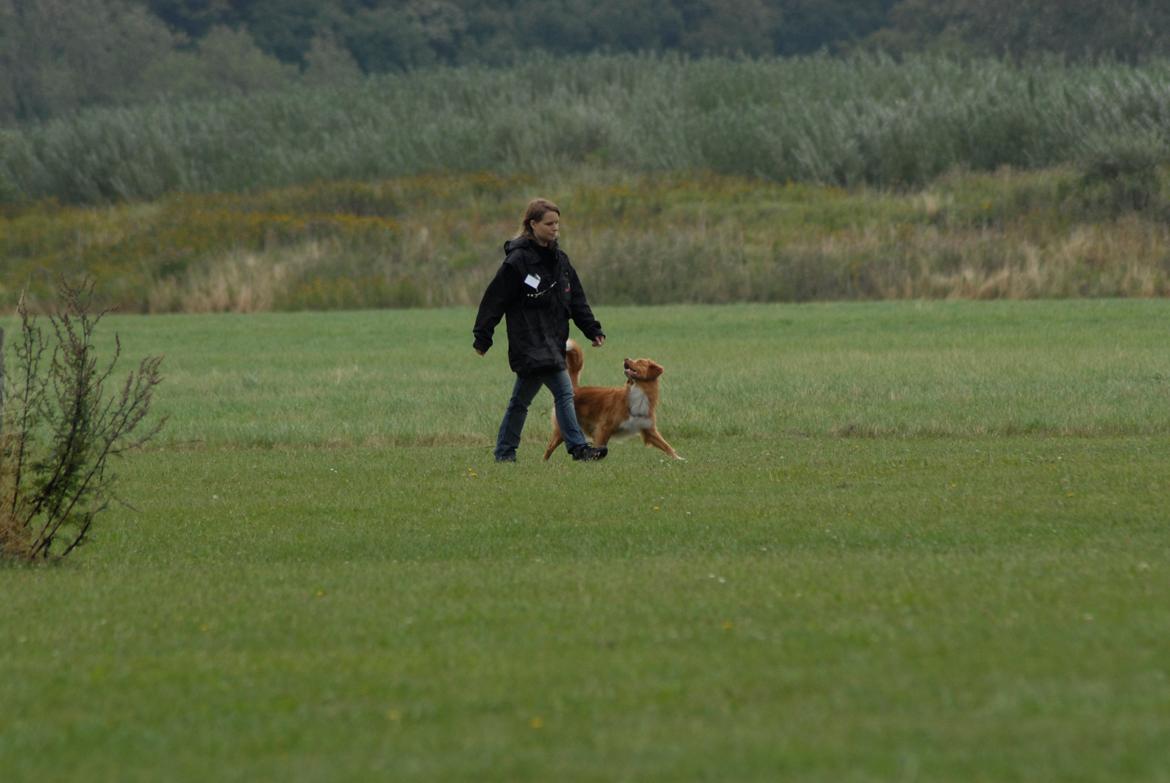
point(58, 56)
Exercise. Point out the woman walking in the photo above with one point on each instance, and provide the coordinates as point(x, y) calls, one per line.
point(537, 291)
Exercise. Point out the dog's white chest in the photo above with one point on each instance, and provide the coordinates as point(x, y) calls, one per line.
point(639, 407)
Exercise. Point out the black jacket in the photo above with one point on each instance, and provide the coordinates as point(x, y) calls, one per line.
point(538, 291)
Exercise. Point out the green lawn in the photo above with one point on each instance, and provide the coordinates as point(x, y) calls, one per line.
point(910, 542)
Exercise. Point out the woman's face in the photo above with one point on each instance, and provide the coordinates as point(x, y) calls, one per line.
point(547, 228)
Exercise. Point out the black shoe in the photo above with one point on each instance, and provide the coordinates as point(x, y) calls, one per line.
point(588, 453)
point(509, 458)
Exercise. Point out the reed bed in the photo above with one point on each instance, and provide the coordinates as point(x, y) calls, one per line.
point(864, 120)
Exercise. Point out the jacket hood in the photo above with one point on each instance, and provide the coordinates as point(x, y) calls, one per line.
point(513, 244)
point(526, 243)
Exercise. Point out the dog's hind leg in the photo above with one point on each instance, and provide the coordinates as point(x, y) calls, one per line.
point(554, 441)
point(651, 438)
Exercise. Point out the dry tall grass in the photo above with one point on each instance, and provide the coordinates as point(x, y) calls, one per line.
point(637, 239)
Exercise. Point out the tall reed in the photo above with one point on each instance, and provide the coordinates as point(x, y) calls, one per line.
point(867, 119)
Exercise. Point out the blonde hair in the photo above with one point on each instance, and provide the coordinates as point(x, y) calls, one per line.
point(536, 210)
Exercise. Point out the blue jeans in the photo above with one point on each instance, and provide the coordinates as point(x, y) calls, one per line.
point(523, 393)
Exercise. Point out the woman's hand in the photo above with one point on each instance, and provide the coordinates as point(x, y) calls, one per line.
point(599, 341)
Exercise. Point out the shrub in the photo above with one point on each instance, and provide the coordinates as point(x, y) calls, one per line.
point(1121, 173)
point(59, 427)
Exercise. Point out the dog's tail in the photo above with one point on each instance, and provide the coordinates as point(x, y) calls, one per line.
point(574, 361)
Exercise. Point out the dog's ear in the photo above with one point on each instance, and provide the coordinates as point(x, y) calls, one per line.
point(653, 370)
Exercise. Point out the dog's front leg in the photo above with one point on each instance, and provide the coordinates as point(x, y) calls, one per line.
point(601, 435)
point(651, 438)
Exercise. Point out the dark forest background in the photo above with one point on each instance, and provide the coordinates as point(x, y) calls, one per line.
point(57, 56)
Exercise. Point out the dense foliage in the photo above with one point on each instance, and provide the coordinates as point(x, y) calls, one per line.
point(60, 55)
point(844, 121)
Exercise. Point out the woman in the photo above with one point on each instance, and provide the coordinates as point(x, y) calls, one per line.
point(537, 290)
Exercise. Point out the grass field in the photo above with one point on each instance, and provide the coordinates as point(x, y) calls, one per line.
point(911, 541)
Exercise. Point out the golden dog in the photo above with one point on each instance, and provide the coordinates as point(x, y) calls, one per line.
point(607, 411)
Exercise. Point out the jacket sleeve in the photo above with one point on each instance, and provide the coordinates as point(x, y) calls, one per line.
point(579, 309)
point(500, 293)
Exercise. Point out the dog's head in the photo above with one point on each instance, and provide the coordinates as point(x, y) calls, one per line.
point(642, 369)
